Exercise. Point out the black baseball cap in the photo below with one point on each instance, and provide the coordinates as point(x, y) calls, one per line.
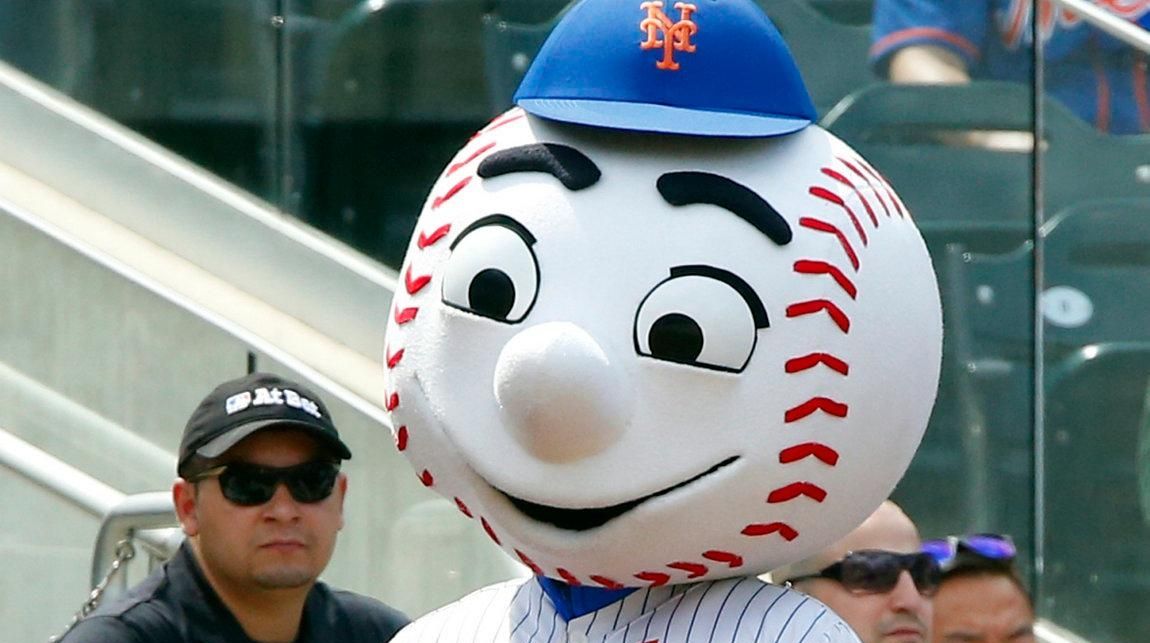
point(240, 407)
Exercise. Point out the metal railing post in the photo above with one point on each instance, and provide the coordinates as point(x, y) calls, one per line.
point(1123, 30)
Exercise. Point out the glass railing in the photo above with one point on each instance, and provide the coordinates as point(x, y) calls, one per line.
point(1094, 268)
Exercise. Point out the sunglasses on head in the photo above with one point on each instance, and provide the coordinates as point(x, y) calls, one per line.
point(972, 549)
point(876, 571)
point(248, 485)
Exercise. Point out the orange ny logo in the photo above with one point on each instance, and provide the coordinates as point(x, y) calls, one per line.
point(676, 36)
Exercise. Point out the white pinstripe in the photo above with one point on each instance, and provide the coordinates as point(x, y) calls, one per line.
point(733, 610)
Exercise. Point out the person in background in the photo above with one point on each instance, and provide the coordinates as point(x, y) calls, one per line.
point(981, 598)
point(260, 497)
point(1101, 79)
point(876, 578)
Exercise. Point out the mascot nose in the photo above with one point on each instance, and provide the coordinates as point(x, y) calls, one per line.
point(560, 395)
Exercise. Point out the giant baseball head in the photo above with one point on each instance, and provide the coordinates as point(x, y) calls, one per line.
point(653, 326)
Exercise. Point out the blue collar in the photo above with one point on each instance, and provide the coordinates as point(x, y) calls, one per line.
point(573, 601)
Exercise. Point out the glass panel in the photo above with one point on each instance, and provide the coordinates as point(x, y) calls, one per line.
point(195, 75)
point(955, 142)
point(1096, 351)
point(102, 372)
point(343, 112)
point(379, 95)
point(55, 550)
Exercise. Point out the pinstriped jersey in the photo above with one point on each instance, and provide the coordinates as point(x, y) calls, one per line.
point(733, 610)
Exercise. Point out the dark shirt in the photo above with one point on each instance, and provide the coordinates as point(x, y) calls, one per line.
point(176, 603)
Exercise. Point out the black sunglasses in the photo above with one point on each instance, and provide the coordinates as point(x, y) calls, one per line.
point(973, 550)
point(249, 485)
point(876, 571)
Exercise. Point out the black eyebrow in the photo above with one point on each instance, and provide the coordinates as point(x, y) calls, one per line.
point(686, 188)
point(572, 167)
point(499, 220)
point(758, 311)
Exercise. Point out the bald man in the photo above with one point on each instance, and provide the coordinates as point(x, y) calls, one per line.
point(875, 578)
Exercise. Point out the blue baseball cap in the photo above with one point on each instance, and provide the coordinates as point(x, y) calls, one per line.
point(706, 67)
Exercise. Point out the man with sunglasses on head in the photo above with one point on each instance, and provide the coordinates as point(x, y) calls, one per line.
point(260, 497)
point(981, 598)
point(876, 578)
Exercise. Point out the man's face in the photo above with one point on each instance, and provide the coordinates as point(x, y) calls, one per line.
point(280, 544)
point(982, 609)
point(902, 615)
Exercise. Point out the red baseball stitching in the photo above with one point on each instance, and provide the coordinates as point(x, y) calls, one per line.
point(694, 570)
point(815, 306)
point(866, 204)
point(865, 178)
point(809, 450)
point(812, 267)
point(568, 577)
point(806, 362)
point(847, 182)
point(827, 195)
point(858, 173)
point(799, 364)
point(607, 582)
point(656, 579)
point(796, 489)
point(474, 155)
point(824, 404)
point(902, 211)
point(822, 226)
point(530, 563)
point(496, 124)
point(886, 186)
point(438, 234)
point(724, 557)
point(784, 530)
point(415, 284)
point(393, 358)
point(452, 191)
point(489, 530)
point(404, 315)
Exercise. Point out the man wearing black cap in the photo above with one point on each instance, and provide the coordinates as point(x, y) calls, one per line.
point(260, 497)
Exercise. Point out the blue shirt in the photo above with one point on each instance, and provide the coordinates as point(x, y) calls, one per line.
point(1100, 78)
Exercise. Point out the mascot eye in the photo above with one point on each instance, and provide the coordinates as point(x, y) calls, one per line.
point(492, 271)
point(701, 316)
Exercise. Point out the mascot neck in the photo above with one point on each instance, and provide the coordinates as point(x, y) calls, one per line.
point(574, 601)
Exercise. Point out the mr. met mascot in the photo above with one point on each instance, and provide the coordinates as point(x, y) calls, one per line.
point(657, 333)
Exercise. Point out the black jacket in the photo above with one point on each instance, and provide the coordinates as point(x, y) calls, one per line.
point(177, 604)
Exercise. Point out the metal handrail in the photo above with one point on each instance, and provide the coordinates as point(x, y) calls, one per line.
point(121, 515)
point(145, 516)
point(50, 473)
point(1123, 30)
point(56, 417)
point(1048, 632)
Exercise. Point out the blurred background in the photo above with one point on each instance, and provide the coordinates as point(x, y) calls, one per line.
point(189, 188)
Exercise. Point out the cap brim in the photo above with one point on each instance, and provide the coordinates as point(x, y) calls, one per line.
point(646, 117)
point(220, 444)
